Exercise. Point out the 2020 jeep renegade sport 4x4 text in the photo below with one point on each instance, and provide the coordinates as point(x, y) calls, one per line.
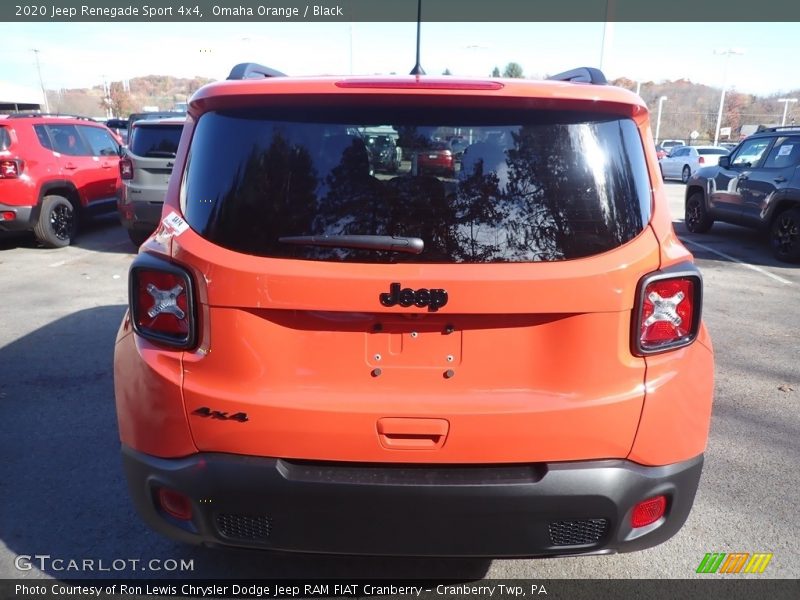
point(503, 360)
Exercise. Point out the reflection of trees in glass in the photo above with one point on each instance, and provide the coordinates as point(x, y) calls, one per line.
point(538, 186)
point(563, 191)
point(350, 201)
point(272, 195)
point(478, 214)
point(538, 192)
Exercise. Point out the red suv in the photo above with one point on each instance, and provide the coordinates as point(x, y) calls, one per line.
point(507, 361)
point(53, 170)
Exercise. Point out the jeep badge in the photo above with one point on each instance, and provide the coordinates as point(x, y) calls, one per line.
point(434, 299)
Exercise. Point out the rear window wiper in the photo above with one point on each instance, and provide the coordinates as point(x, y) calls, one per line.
point(412, 245)
point(160, 154)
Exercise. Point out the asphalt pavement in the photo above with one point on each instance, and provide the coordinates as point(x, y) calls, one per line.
point(62, 488)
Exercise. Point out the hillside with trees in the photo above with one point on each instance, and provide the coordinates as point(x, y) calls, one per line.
point(694, 107)
point(123, 98)
point(689, 106)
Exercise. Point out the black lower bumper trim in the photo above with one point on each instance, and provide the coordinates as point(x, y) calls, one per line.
point(24, 218)
point(409, 510)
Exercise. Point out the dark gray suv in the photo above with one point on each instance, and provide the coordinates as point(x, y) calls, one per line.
point(757, 185)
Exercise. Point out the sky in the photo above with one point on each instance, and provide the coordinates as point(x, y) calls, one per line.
point(74, 55)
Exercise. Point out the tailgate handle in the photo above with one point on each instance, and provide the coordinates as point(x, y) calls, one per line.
point(398, 433)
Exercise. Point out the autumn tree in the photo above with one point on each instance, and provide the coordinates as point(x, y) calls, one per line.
point(119, 100)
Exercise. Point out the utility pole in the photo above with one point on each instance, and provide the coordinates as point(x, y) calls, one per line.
point(785, 107)
point(41, 82)
point(658, 120)
point(727, 53)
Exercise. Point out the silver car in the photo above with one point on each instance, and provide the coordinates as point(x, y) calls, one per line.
point(683, 161)
point(145, 169)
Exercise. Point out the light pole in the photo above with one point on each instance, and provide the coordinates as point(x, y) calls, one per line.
point(727, 53)
point(658, 119)
point(785, 107)
point(41, 82)
point(608, 35)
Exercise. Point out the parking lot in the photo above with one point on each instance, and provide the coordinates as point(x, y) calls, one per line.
point(63, 489)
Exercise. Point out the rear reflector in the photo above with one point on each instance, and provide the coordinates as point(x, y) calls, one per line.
point(648, 511)
point(161, 302)
point(175, 504)
point(668, 310)
point(8, 215)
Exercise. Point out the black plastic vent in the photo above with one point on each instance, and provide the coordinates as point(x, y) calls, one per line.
point(577, 533)
point(244, 527)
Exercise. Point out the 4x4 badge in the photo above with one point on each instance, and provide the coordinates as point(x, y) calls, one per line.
point(434, 299)
point(204, 411)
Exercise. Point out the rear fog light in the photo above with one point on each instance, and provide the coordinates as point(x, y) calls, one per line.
point(175, 504)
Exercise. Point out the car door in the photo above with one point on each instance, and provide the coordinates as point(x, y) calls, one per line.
point(675, 161)
point(105, 163)
point(665, 162)
point(762, 187)
point(726, 196)
point(75, 158)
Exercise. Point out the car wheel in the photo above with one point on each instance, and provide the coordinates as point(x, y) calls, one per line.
point(696, 216)
point(138, 237)
point(57, 222)
point(686, 173)
point(785, 235)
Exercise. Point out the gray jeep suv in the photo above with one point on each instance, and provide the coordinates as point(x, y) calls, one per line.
point(145, 169)
point(757, 185)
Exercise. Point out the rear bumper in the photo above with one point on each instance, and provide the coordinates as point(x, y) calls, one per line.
point(24, 218)
point(140, 215)
point(412, 510)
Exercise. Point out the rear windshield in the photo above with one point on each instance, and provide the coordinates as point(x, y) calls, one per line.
point(713, 151)
point(155, 140)
point(5, 139)
point(529, 186)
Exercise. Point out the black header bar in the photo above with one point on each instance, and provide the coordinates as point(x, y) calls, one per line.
point(712, 11)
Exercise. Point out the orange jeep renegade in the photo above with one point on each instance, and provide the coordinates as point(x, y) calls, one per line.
point(502, 359)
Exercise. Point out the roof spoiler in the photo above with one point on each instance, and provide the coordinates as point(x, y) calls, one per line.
point(581, 75)
point(253, 71)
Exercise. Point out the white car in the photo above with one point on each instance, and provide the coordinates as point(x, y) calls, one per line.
point(683, 161)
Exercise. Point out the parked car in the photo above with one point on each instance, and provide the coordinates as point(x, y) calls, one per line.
point(682, 161)
point(664, 148)
point(317, 359)
point(758, 185)
point(154, 115)
point(119, 127)
point(437, 159)
point(145, 170)
point(384, 153)
point(54, 171)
